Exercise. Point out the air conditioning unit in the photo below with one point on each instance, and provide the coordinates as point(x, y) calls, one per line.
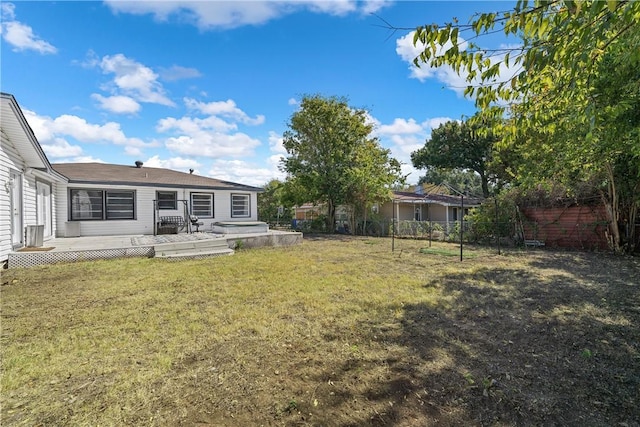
point(71, 229)
point(35, 235)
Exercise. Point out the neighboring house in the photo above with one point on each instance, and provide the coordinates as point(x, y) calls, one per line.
point(442, 209)
point(439, 208)
point(104, 199)
point(309, 211)
point(29, 184)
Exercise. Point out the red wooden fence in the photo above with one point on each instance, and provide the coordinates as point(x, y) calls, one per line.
point(576, 227)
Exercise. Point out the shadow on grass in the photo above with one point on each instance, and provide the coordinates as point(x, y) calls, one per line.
point(555, 345)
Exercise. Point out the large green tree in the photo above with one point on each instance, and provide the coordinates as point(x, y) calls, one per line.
point(458, 145)
point(570, 88)
point(371, 178)
point(333, 158)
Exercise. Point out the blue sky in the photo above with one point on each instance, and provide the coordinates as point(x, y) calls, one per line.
point(211, 85)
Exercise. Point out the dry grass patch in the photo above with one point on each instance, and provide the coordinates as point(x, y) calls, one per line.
point(337, 331)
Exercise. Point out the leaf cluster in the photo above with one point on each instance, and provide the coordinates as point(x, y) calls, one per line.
point(333, 158)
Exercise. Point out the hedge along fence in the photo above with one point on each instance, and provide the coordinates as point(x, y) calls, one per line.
point(574, 227)
point(435, 230)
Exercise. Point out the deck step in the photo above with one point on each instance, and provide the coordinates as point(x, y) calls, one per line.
point(199, 254)
point(192, 248)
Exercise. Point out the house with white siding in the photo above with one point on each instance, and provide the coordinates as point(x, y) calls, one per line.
point(104, 199)
point(40, 201)
point(29, 183)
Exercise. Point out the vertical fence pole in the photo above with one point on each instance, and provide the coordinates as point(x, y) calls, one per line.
point(461, 223)
point(496, 227)
point(430, 225)
point(393, 225)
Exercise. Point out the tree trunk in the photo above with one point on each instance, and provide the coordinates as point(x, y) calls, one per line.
point(485, 185)
point(331, 217)
point(610, 202)
point(364, 223)
point(633, 213)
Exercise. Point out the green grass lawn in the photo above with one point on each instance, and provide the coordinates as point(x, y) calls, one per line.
point(337, 331)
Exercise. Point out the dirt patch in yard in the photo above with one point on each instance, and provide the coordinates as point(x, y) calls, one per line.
point(341, 332)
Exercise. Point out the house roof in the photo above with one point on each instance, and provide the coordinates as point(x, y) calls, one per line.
point(17, 129)
point(108, 174)
point(442, 199)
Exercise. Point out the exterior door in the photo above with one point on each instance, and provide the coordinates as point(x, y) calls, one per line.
point(43, 201)
point(15, 201)
point(418, 213)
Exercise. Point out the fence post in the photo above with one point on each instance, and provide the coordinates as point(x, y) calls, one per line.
point(461, 223)
point(496, 227)
point(393, 225)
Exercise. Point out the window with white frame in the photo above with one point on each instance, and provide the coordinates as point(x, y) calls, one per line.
point(240, 207)
point(167, 200)
point(91, 204)
point(202, 205)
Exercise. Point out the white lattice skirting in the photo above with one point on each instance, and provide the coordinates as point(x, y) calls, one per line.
point(30, 259)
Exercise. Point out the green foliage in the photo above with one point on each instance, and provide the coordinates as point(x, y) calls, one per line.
point(485, 224)
point(572, 92)
point(271, 199)
point(333, 159)
point(460, 145)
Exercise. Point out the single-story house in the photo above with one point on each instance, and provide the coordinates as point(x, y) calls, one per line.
point(438, 208)
point(104, 199)
point(95, 199)
point(442, 209)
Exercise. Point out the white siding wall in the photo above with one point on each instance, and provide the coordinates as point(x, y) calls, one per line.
point(9, 160)
point(143, 224)
point(29, 200)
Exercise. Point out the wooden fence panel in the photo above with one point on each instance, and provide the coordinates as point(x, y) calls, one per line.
point(576, 227)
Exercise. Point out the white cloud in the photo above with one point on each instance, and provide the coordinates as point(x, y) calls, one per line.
point(176, 72)
point(404, 136)
point(134, 79)
point(243, 172)
point(275, 161)
point(275, 143)
point(373, 6)
point(435, 122)
point(445, 74)
point(80, 159)
point(213, 136)
point(226, 108)
point(51, 133)
point(400, 126)
point(8, 11)
point(133, 151)
point(293, 101)
point(118, 104)
point(175, 163)
point(213, 144)
point(233, 14)
point(19, 35)
point(59, 147)
point(190, 125)
point(407, 144)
